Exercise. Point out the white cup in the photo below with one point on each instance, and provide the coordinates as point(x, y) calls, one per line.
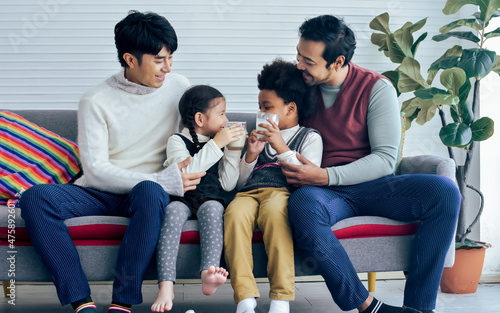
point(262, 119)
point(240, 144)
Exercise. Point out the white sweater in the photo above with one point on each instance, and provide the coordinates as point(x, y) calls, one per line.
point(205, 158)
point(123, 129)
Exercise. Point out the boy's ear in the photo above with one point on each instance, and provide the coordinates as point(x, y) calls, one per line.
point(198, 119)
point(292, 108)
point(130, 59)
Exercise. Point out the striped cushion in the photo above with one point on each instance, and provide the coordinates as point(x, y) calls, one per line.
point(31, 155)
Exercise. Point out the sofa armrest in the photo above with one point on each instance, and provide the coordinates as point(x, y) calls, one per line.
point(428, 164)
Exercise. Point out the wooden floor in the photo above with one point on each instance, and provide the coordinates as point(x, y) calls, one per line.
point(310, 297)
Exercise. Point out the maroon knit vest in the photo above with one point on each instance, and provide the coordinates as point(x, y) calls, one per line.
point(343, 126)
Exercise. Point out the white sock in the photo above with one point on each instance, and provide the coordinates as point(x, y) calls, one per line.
point(246, 305)
point(279, 306)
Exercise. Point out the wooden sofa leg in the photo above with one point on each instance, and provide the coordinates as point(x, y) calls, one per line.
point(5, 284)
point(372, 278)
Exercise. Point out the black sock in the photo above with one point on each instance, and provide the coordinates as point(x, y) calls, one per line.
point(379, 307)
point(119, 307)
point(83, 303)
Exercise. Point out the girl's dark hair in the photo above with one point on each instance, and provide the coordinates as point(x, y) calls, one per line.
point(286, 80)
point(338, 38)
point(196, 99)
point(143, 33)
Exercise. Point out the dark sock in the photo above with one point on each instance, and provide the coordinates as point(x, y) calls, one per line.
point(85, 305)
point(117, 307)
point(378, 307)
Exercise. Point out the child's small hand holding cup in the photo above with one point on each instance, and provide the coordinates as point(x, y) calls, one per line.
point(233, 136)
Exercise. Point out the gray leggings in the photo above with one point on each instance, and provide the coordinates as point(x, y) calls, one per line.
point(210, 225)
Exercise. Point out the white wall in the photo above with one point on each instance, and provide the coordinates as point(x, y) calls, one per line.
point(490, 165)
point(52, 51)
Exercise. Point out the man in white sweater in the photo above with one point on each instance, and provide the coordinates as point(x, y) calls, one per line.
point(123, 127)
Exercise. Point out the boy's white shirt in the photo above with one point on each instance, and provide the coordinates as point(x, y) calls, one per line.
point(205, 158)
point(312, 149)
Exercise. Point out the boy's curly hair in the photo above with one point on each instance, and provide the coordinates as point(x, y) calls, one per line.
point(286, 80)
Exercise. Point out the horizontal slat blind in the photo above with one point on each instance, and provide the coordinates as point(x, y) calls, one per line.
point(52, 51)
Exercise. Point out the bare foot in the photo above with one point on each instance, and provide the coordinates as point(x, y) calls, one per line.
point(165, 297)
point(212, 278)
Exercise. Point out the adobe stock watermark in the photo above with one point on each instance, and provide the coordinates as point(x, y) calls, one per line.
point(47, 10)
point(12, 252)
point(224, 6)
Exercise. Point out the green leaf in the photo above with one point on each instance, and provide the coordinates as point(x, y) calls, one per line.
point(470, 244)
point(464, 91)
point(410, 78)
point(477, 62)
point(379, 40)
point(415, 45)
point(410, 110)
point(452, 6)
point(455, 51)
point(460, 35)
point(488, 8)
point(496, 69)
point(465, 111)
point(418, 25)
point(427, 110)
point(393, 76)
point(492, 34)
point(429, 93)
point(443, 99)
point(409, 107)
point(454, 114)
point(405, 41)
point(396, 54)
point(453, 79)
point(430, 77)
point(471, 22)
point(477, 15)
point(381, 23)
point(455, 135)
point(444, 63)
point(482, 129)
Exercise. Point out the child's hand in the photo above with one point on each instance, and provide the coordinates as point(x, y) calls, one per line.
point(254, 147)
point(228, 135)
point(273, 136)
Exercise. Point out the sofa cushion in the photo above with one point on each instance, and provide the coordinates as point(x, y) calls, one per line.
point(108, 230)
point(32, 155)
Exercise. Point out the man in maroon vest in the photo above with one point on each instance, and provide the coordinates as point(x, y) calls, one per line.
point(357, 114)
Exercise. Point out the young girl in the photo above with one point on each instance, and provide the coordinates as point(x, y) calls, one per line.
point(202, 109)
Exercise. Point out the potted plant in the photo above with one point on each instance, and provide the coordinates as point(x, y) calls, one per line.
point(462, 71)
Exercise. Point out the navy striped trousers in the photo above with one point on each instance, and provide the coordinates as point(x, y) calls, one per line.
point(44, 209)
point(431, 199)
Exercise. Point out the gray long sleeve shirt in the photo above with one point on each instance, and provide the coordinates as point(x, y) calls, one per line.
point(384, 132)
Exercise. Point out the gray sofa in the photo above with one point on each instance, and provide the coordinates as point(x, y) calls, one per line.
point(374, 244)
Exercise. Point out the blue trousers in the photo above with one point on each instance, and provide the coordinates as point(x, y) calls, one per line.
point(44, 209)
point(431, 199)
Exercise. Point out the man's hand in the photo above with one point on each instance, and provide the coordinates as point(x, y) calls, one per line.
point(189, 180)
point(308, 174)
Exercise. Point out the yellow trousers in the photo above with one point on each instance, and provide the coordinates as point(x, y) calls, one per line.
point(267, 209)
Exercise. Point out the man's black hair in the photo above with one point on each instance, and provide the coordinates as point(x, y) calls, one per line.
point(143, 33)
point(338, 38)
point(286, 80)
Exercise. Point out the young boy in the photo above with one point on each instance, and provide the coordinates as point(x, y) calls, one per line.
point(263, 191)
